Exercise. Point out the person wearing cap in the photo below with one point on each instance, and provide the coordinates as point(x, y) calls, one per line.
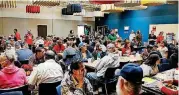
point(10, 75)
point(48, 72)
point(38, 57)
point(24, 54)
point(111, 60)
point(130, 80)
point(83, 54)
point(69, 53)
point(75, 82)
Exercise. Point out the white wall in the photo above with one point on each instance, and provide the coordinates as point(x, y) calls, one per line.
point(57, 27)
point(166, 28)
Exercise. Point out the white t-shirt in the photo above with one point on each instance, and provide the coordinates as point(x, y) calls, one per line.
point(163, 50)
point(131, 36)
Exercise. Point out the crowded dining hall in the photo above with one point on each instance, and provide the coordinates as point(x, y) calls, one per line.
point(89, 47)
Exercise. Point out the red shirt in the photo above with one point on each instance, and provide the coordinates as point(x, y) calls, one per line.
point(59, 48)
point(47, 43)
point(126, 51)
point(29, 39)
point(17, 35)
point(160, 38)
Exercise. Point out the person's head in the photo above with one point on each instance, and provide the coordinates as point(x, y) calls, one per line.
point(161, 33)
point(130, 80)
point(127, 44)
point(39, 52)
point(17, 45)
point(82, 46)
point(162, 43)
point(49, 54)
point(59, 42)
point(112, 31)
point(3, 61)
point(138, 32)
point(155, 47)
point(111, 48)
point(77, 69)
point(71, 31)
point(152, 60)
point(15, 30)
point(29, 31)
point(152, 32)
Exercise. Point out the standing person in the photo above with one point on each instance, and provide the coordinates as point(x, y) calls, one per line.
point(160, 37)
point(112, 36)
point(29, 39)
point(71, 34)
point(17, 35)
point(132, 35)
point(152, 38)
point(139, 37)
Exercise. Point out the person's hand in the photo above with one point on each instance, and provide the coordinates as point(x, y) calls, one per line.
point(160, 84)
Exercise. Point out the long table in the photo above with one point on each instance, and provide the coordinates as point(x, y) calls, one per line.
point(150, 83)
point(126, 59)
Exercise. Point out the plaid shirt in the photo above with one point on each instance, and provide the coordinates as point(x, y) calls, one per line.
point(69, 86)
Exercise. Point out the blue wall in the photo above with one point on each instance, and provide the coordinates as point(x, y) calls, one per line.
point(141, 19)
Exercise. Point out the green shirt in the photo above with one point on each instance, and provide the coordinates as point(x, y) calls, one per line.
point(112, 37)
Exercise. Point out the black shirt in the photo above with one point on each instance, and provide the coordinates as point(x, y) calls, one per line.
point(153, 37)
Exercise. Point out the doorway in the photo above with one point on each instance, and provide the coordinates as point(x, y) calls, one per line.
point(42, 30)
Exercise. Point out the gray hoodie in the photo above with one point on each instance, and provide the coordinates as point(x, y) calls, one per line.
point(109, 61)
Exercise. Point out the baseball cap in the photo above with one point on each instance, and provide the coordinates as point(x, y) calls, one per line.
point(132, 73)
point(110, 45)
point(81, 44)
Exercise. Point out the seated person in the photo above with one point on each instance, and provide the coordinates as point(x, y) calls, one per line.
point(74, 82)
point(110, 60)
point(150, 67)
point(38, 57)
point(24, 54)
point(10, 75)
point(47, 72)
point(130, 80)
point(166, 90)
point(98, 52)
point(59, 47)
point(163, 50)
point(69, 53)
point(83, 54)
point(127, 48)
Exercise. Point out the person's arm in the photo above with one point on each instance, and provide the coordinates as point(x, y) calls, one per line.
point(33, 77)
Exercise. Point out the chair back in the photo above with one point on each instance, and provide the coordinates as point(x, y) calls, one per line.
point(48, 88)
point(109, 75)
point(58, 90)
point(23, 88)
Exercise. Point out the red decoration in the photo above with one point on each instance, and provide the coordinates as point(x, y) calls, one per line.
point(154, 28)
point(32, 9)
point(104, 1)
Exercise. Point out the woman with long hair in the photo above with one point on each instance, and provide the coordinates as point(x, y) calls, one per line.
point(150, 66)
